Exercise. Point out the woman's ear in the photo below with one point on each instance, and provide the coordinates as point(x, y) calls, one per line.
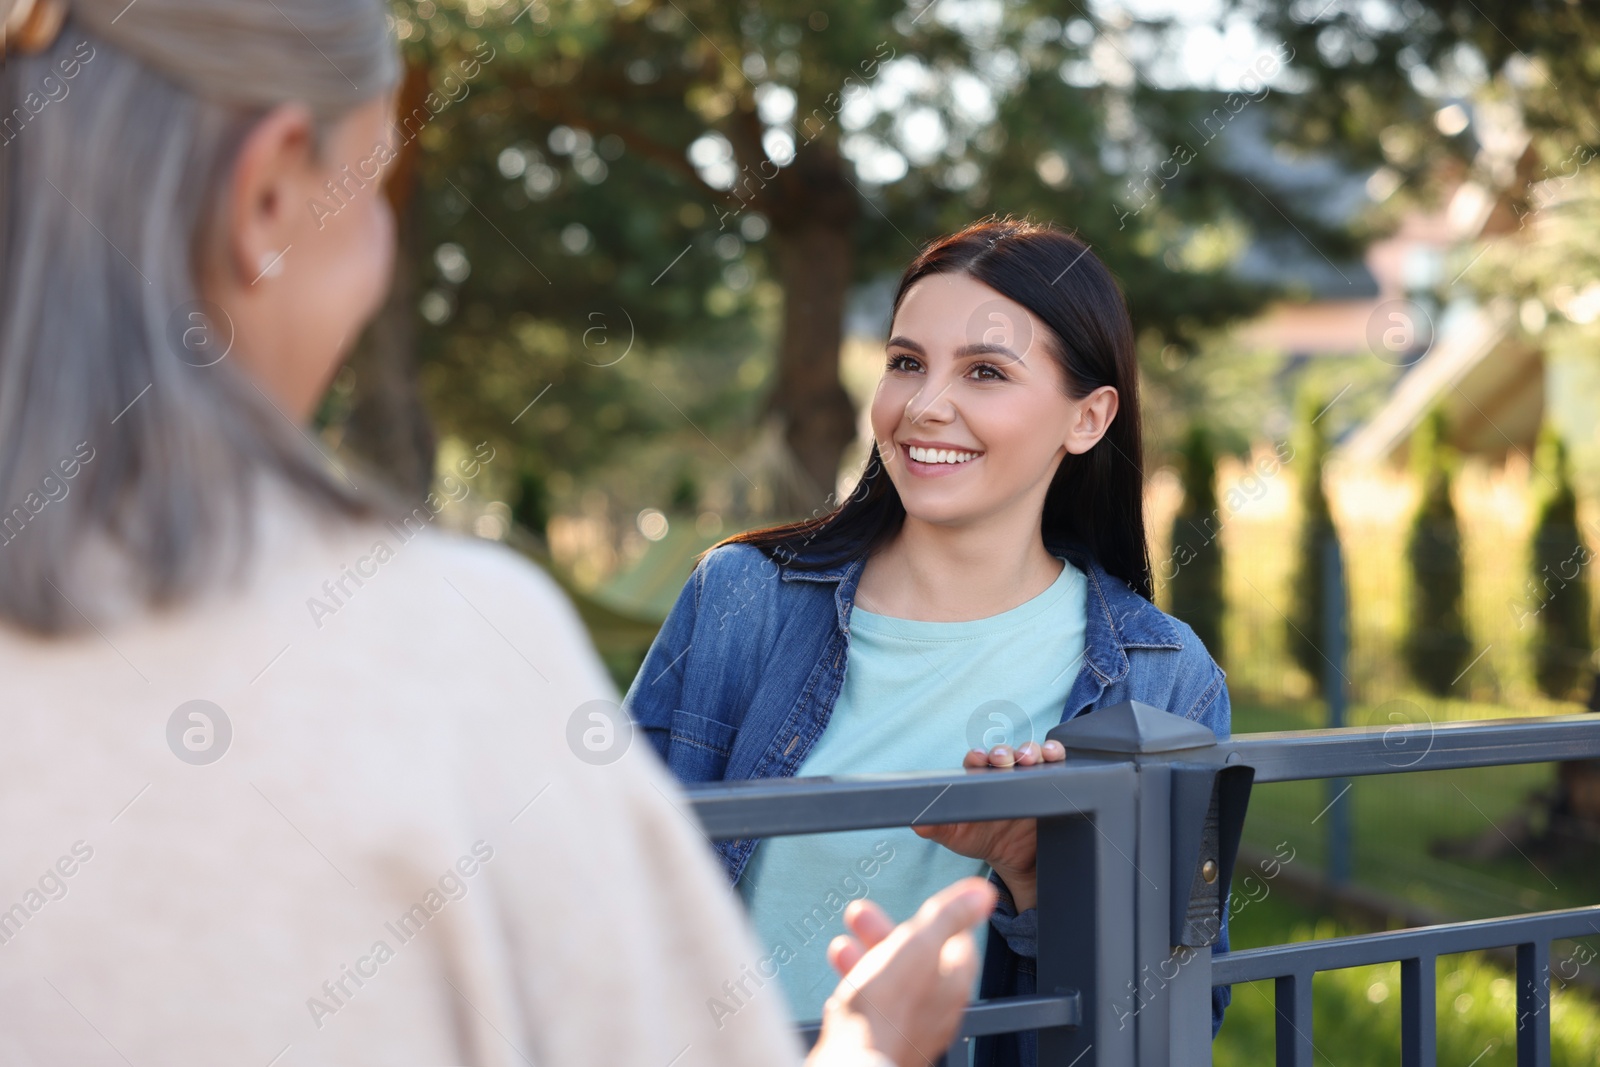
point(1094, 415)
point(273, 178)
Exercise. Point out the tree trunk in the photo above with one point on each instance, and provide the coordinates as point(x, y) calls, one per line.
point(812, 217)
point(389, 426)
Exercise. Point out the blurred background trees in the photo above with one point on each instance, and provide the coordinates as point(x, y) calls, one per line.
point(722, 192)
point(648, 249)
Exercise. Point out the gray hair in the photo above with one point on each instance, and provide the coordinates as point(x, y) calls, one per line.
point(118, 440)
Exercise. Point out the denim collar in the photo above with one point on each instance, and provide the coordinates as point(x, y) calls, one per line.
point(1116, 618)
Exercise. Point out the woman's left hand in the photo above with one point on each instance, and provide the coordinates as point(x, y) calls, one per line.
point(1010, 846)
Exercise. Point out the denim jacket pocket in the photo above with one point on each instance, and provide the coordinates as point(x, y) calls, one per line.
point(700, 746)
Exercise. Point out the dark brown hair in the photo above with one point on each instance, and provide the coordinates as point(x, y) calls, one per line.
point(1096, 500)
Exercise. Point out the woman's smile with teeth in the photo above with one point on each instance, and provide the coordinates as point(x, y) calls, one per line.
point(941, 455)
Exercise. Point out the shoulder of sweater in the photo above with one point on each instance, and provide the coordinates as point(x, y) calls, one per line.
point(421, 589)
point(431, 553)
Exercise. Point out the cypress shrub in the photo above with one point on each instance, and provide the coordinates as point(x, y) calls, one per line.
point(1559, 588)
point(532, 509)
point(1307, 616)
point(1196, 584)
point(1436, 645)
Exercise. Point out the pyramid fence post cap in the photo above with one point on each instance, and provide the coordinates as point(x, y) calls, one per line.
point(1131, 727)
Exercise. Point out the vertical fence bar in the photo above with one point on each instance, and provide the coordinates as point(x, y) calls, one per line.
point(1419, 1039)
point(1086, 928)
point(1533, 1004)
point(1069, 900)
point(1335, 691)
point(1174, 994)
point(1175, 931)
point(1152, 857)
point(1292, 1001)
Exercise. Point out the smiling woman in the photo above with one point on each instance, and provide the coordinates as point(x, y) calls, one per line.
point(989, 575)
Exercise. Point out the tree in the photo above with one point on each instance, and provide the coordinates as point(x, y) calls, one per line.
point(1436, 645)
point(1307, 630)
point(1196, 586)
point(721, 177)
point(376, 403)
point(1431, 94)
point(1558, 585)
point(1375, 78)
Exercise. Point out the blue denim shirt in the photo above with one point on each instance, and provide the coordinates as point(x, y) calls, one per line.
point(742, 679)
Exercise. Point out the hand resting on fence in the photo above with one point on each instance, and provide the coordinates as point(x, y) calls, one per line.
point(1007, 845)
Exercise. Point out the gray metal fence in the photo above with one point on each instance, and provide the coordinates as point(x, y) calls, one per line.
point(1137, 831)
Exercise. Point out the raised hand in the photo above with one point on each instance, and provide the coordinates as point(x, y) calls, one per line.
point(904, 986)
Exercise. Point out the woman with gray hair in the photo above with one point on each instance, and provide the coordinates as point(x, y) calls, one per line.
point(283, 783)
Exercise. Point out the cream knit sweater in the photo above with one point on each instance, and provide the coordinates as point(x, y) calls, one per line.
point(397, 859)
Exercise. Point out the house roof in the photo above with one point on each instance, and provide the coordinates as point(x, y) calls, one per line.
point(1490, 385)
point(1322, 328)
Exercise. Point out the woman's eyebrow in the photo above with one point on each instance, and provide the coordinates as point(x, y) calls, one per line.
point(982, 348)
point(964, 352)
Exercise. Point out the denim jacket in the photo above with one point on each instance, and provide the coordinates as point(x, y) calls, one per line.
point(742, 679)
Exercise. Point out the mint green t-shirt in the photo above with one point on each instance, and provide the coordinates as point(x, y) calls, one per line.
point(916, 696)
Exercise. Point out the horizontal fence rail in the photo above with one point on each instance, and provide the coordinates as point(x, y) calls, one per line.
point(1110, 877)
point(1364, 950)
point(774, 807)
point(1005, 1016)
point(1350, 752)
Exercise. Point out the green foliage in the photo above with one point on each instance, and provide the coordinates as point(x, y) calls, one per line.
point(1372, 85)
point(552, 214)
point(1308, 611)
point(1436, 645)
point(533, 240)
point(1196, 585)
point(1373, 93)
point(1243, 394)
point(532, 508)
point(1558, 587)
point(685, 493)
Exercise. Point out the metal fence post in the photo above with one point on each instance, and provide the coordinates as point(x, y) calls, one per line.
point(1172, 860)
point(1335, 690)
point(1086, 935)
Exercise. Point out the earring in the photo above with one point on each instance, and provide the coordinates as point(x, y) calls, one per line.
point(271, 265)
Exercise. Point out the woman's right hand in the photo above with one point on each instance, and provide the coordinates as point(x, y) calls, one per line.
point(904, 987)
point(1010, 846)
